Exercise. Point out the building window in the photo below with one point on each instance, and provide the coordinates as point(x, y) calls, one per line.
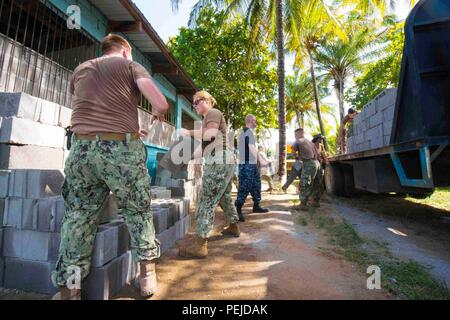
point(38, 52)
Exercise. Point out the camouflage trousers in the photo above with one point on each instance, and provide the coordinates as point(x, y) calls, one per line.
point(249, 182)
point(311, 181)
point(92, 170)
point(216, 190)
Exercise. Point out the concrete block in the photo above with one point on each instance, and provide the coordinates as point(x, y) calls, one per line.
point(49, 213)
point(104, 282)
point(377, 142)
point(106, 244)
point(24, 131)
point(19, 105)
point(4, 183)
point(358, 139)
point(388, 114)
point(2, 210)
point(375, 119)
point(387, 140)
point(161, 193)
point(49, 112)
point(123, 243)
point(26, 275)
point(176, 183)
point(160, 217)
point(110, 210)
point(171, 212)
point(386, 99)
point(370, 109)
point(179, 192)
point(374, 133)
point(2, 271)
point(30, 157)
point(387, 127)
point(20, 213)
point(31, 245)
point(65, 116)
point(35, 183)
point(179, 227)
point(167, 238)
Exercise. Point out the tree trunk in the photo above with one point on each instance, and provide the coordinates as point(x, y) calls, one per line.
point(316, 98)
point(300, 120)
point(340, 95)
point(281, 88)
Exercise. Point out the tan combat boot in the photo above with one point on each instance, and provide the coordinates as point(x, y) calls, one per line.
point(147, 278)
point(232, 230)
point(67, 294)
point(198, 248)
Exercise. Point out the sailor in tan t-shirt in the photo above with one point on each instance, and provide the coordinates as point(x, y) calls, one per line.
point(218, 171)
point(310, 180)
point(107, 155)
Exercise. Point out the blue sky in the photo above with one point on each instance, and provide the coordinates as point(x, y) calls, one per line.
point(166, 22)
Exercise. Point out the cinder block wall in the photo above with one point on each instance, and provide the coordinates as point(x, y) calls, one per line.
point(32, 155)
point(373, 125)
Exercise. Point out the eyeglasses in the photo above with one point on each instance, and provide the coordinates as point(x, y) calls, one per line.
point(196, 102)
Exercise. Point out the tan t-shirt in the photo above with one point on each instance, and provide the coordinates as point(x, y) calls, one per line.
point(106, 95)
point(214, 115)
point(307, 149)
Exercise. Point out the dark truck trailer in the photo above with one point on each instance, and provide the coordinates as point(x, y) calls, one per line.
point(415, 159)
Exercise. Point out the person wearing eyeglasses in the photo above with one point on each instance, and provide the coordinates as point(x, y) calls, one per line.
point(218, 169)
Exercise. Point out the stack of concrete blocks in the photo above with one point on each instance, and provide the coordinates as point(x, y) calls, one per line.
point(373, 125)
point(171, 219)
point(32, 213)
point(32, 156)
point(185, 183)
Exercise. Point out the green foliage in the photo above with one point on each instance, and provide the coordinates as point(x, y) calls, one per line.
point(381, 74)
point(221, 59)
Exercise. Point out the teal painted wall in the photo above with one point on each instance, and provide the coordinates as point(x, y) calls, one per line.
point(92, 20)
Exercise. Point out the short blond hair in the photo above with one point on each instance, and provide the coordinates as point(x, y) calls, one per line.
point(206, 95)
point(113, 42)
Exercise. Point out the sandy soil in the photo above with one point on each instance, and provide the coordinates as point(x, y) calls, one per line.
point(273, 259)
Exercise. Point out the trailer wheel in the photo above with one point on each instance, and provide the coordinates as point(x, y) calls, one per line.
point(349, 182)
point(334, 179)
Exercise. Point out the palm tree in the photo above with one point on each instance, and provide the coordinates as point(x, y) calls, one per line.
point(299, 97)
point(339, 59)
point(317, 24)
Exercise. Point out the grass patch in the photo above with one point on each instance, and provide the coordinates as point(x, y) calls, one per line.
point(412, 280)
point(440, 199)
point(406, 279)
point(435, 206)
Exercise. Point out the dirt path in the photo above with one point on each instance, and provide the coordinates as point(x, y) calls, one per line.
point(273, 259)
point(426, 241)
